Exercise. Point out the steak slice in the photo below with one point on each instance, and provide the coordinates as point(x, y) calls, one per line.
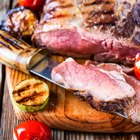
point(134, 112)
point(105, 30)
point(105, 90)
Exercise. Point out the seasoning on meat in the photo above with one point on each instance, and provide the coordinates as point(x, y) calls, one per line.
point(104, 30)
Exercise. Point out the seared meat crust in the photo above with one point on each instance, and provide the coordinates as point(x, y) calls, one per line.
point(103, 30)
point(104, 88)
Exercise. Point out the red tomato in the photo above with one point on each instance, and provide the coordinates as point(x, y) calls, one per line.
point(137, 67)
point(33, 4)
point(32, 130)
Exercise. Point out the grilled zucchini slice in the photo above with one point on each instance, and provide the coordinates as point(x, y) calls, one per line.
point(31, 95)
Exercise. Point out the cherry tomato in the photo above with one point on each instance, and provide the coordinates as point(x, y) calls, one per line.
point(32, 130)
point(137, 68)
point(33, 4)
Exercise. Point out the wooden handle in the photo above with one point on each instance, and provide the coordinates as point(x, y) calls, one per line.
point(15, 53)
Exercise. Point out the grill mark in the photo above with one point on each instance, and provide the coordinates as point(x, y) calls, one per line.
point(88, 2)
point(20, 44)
point(22, 89)
point(32, 97)
point(101, 19)
point(8, 40)
point(37, 84)
point(22, 95)
point(27, 87)
point(62, 16)
point(11, 41)
point(65, 6)
point(55, 13)
point(63, 2)
point(102, 8)
point(61, 6)
point(5, 45)
point(99, 14)
point(93, 2)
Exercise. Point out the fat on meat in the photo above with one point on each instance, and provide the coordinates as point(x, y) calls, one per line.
point(105, 90)
point(105, 31)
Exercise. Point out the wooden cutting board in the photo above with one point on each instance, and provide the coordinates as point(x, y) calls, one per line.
point(67, 112)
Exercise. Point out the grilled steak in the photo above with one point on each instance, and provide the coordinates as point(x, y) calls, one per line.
point(105, 90)
point(20, 22)
point(108, 30)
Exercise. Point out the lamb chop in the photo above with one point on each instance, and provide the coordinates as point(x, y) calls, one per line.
point(107, 30)
point(105, 88)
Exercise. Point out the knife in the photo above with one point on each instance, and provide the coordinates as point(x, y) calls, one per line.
point(19, 55)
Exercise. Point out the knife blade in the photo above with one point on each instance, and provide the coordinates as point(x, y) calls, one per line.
point(44, 68)
point(21, 56)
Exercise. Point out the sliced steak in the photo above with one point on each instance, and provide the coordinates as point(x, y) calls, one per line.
point(105, 90)
point(108, 30)
point(133, 111)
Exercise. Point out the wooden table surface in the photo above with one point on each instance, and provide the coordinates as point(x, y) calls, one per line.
point(9, 120)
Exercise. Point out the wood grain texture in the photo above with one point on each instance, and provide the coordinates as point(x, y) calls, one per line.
point(9, 120)
point(66, 111)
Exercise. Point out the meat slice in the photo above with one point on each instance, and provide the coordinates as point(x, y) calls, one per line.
point(105, 30)
point(105, 90)
point(133, 112)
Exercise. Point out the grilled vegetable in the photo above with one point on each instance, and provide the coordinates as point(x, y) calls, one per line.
point(31, 95)
point(20, 22)
point(32, 130)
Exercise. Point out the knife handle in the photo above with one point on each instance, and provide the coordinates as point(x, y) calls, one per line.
point(15, 53)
